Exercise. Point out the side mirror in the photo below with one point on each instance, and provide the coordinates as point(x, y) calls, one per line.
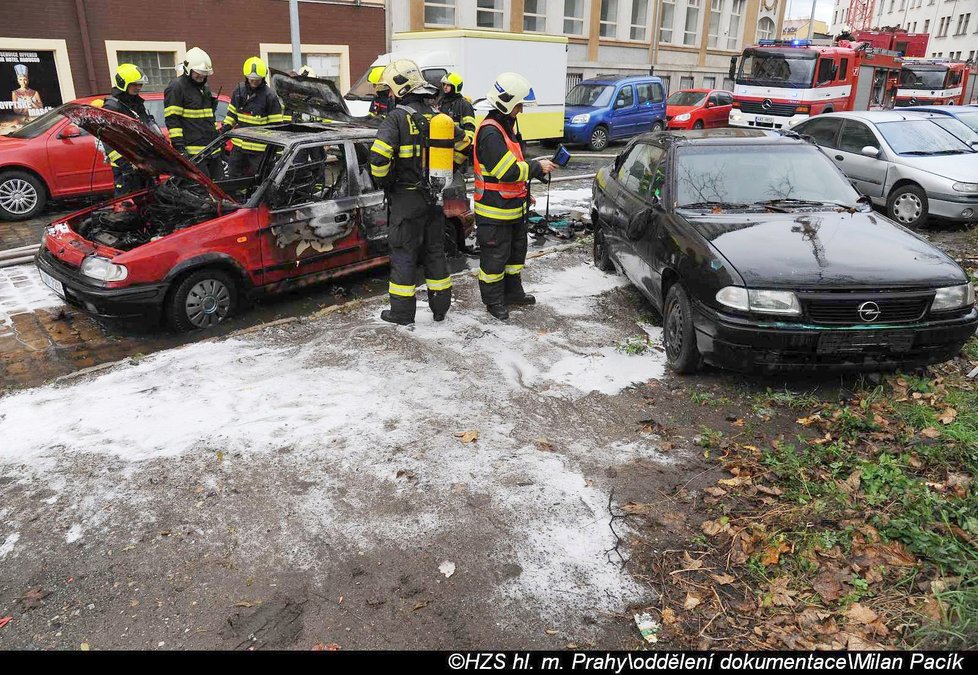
point(733, 68)
point(638, 224)
point(709, 104)
point(70, 131)
point(870, 151)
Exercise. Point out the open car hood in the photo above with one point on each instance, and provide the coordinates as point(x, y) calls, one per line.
point(140, 146)
point(313, 96)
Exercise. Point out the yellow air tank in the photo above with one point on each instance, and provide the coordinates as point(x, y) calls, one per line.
point(441, 145)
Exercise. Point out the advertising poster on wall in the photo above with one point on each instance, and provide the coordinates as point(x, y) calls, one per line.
point(29, 87)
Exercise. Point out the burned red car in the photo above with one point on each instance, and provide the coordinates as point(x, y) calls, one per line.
point(192, 250)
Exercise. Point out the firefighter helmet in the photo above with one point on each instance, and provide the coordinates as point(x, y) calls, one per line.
point(403, 77)
point(455, 80)
point(255, 69)
point(509, 90)
point(127, 74)
point(306, 71)
point(376, 72)
point(197, 59)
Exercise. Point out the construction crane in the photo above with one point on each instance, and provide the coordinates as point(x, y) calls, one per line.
point(861, 14)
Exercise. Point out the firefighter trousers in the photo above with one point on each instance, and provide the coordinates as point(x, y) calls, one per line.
point(502, 255)
point(417, 239)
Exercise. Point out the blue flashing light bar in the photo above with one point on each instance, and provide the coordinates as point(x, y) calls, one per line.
point(784, 43)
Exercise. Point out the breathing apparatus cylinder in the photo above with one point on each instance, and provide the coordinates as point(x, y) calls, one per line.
point(441, 146)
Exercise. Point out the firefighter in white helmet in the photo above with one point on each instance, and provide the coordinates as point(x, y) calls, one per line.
point(398, 163)
point(502, 195)
point(188, 106)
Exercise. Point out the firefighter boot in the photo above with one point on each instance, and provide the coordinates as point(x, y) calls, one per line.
point(514, 293)
point(401, 311)
point(440, 301)
point(499, 311)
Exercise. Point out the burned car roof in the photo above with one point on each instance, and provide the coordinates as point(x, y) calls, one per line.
point(289, 134)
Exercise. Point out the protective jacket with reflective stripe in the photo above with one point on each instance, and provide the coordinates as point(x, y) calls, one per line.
point(252, 108)
point(189, 112)
point(501, 173)
point(460, 110)
point(131, 105)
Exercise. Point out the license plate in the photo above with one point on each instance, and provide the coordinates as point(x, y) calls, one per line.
point(855, 341)
point(53, 283)
point(764, 119)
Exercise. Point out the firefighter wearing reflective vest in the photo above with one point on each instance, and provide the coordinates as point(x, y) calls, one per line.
point(502, 195)
point(416, 224)
point(188, 106)
point(253, 104)
point(125, 99)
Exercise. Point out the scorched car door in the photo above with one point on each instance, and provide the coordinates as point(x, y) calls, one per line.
point(312, 224)
point(371, 204)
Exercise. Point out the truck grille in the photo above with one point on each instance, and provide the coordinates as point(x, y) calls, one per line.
point(776, 109)
point(860, 309)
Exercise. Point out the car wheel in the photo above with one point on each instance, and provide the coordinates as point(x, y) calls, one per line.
point(202, 299)
point(599, 138)
point(657, 127)
point(908, 206)
point(602, 257)
point(698, 124)
point(22, 195)
point(682, 356)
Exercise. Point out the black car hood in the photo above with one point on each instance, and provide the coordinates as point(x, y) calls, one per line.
point(311, 95)
point(826, 250)
point(146, 150)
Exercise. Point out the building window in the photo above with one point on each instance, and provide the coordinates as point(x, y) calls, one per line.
point(158, 67)
point(765, 29)
point(331, 62)
point(733, 33)
point(728, 84)
point(686, 82)
point(439, 12)
point(892, 2)
point(709, 82)
point(666, 82)
point(716, 9)
point(692, 22)
point(574, 17)
point(609, 18)
point(489, 14)
point(927, 25)
point(668, 19)
point(963, 21)
point(535, 16)
point(640, 19)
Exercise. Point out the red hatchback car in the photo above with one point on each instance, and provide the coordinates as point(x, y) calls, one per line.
point(191, 249)
point(698, 108)
point(52, 158)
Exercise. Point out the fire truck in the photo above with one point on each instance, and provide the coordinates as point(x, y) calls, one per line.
point(937, 82)
point(782, 82)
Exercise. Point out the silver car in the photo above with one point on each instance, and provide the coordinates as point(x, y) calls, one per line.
point(903, 161)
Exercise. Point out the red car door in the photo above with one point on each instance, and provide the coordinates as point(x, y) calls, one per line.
point(723, 106)
point(77, 163)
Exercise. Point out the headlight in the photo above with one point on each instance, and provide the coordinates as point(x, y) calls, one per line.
point(765, 302)
point(682, 118)
point(102, 269)
point(953, 297)
point(581, 119)
point(966, 187)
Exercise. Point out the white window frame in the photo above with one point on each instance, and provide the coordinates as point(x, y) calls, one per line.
point(61, 63)
point(662, 20)
point(774, 28)
point(643, 22)
point(612, 22)
point(697, 23)
point(582, 20)
point(498, 9)
point(734, 32)
point(343, 51)
point(113, 47)
point(713, 34)
point(538, 15)
point(440, 4)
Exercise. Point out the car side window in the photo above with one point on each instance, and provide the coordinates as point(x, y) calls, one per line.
point(637, 171)
point(822, 129)
point(714, 99)
point(315, 173)
point(644, 93)
point(658, 94)
point(725, 98)
point(626, 98)
point(856, 136)
point(824, 71)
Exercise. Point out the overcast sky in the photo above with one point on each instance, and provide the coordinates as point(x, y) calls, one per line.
point(802, 9)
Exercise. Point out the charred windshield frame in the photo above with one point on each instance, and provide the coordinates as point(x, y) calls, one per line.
point(800, 66)
point(602, 98)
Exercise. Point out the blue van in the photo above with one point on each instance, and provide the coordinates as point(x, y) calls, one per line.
point(610, 108)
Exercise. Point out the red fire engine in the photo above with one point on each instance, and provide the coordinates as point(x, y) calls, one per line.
point(908, 44)
point(782, 82)
point(937, 82)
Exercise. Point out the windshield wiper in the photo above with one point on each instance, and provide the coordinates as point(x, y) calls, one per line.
point(930, 153)
point(787, 201)
point(715, 204)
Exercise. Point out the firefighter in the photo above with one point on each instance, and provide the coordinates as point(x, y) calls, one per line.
point(382, 101)
point(502, 195)
point(189, 109)
point(125, 99)
point(416, 222)
point(458, 107)
point(253, 104)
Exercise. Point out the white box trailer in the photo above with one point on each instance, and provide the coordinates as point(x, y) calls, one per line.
point(478, 56)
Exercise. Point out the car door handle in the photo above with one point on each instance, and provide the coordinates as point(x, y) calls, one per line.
point(840, 157)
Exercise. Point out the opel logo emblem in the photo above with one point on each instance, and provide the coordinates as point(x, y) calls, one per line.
point(767, 104)
point(869, 311)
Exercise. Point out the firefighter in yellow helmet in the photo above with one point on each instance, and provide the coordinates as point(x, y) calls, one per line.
point(502, 195)
point(253, 104)
point(382, 101)
point(416, 233)
point(127, 82)
point(188, 106)
point(455, 105)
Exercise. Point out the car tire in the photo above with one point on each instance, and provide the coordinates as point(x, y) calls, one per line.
point(599, 249)
point(599, 138)
point(698, 124)
point(907, 205)
point(201, 300)
point(22, 195)
point(657, 127)
point(682, 355)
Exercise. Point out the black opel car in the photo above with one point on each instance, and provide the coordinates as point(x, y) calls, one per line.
point(760, 254)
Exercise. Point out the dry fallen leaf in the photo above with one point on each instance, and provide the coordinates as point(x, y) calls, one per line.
point(669, 616)
point(861, 614)
point(735, 481)
point(828, 585)
point(930, 432)
point(691, 601)
point(715, 491)
point(772, 554)
point(723, 579)
point(469, 436)
point(637, 509)
point(544, 445)
point(948, 416)
point(780, 595)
